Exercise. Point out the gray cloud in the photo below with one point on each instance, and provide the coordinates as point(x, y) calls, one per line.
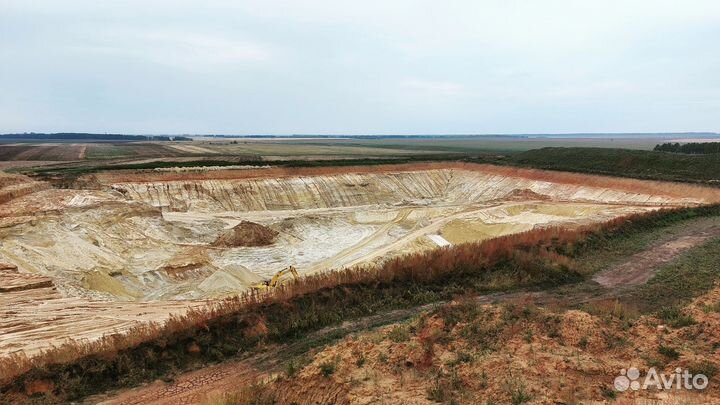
point(400, 66)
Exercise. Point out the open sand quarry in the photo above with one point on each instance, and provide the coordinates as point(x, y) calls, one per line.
point(138, 248)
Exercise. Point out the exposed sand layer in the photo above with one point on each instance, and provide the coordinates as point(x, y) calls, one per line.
point(12, 280)
point(347, 190)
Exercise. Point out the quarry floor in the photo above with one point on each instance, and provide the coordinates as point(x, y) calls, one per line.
point(38, 318)
point(315, 240)
point(131, 251)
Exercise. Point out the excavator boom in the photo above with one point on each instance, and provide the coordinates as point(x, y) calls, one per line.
point(275, 280)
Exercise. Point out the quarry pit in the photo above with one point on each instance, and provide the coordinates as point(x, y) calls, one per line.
point(139, 248)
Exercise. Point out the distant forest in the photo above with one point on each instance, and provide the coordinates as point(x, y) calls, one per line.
point(72, 136)
point(692, 148)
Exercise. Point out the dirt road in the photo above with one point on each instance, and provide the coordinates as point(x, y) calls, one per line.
point(639, 268)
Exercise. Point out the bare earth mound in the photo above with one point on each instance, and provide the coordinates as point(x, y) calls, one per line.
point(248, 234)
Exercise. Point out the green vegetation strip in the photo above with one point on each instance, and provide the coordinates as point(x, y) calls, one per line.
point(653, 165)
point(692, 147)
point(626, 163)
point(247, 160)
point(518, 261)
point(641, 164)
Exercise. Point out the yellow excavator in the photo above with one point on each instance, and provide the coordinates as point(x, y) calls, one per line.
point(275, 280)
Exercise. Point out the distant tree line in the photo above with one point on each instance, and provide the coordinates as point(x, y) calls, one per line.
point(692, 148)
point(65, 136)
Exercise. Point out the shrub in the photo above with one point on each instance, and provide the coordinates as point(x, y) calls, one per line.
point(519, 395)
point(613, 341)
point(438, 392)
point(399, 334)
point(675, 317)
point(483, 380)
point(327, 368)
point(608, 392)
point(654, 361)
point(583, 343)
point(704, 367)
point(484, 334)
point(444, 387)
point(461, 357)
point(295, 365)
point(669, 352)
point(454, 381)
point(462, 310)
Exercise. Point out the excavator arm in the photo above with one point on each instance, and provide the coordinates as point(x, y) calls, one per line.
point(275, 280)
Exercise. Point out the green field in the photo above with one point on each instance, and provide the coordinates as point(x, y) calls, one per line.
point(625, 163)
point(614, 162)
point(492, 144)
point(634, 159)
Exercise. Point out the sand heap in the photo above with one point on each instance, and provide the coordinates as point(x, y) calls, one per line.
point(246, 233)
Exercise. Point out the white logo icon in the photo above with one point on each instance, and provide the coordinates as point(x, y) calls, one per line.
point(628, 379)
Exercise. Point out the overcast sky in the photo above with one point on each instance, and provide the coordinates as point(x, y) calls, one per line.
point(360, 66)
